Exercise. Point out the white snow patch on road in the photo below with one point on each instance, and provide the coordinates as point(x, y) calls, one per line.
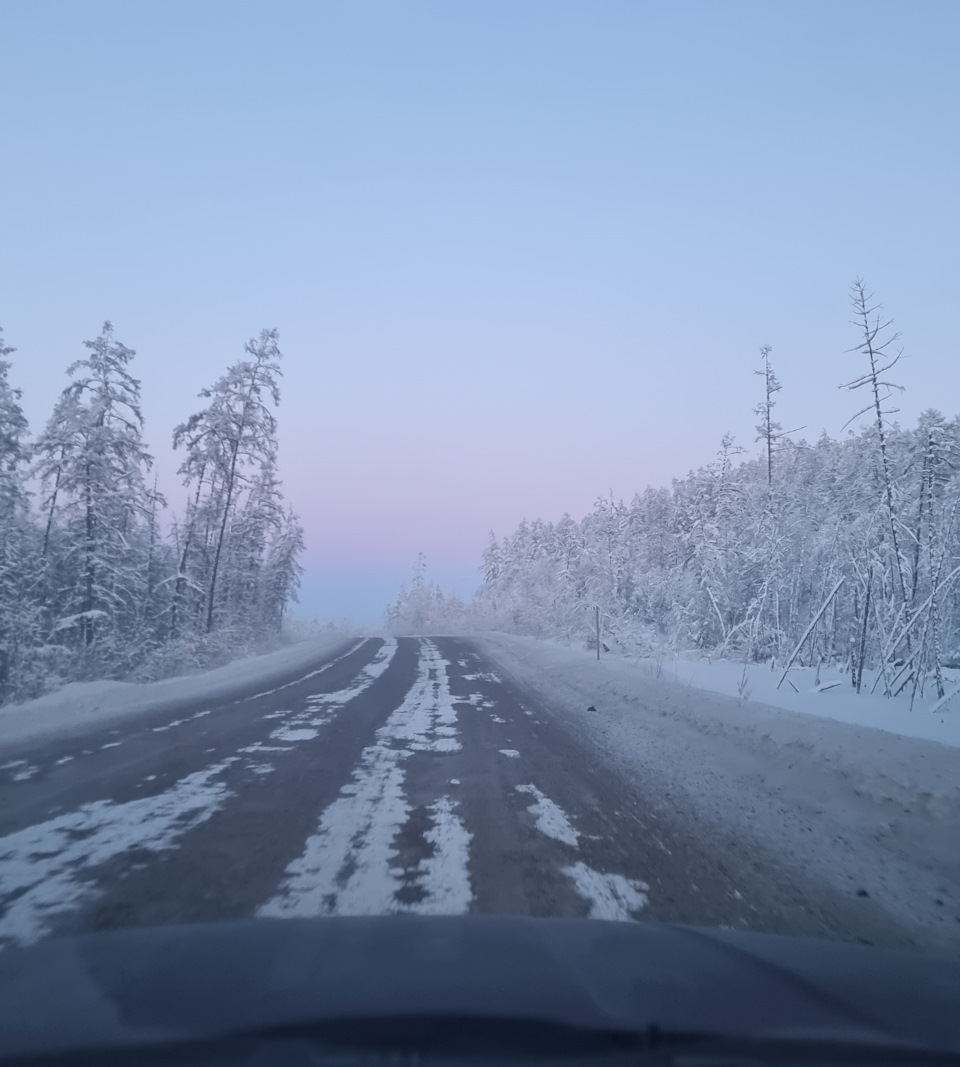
point(288, 733)
point(445, 874)
point(477, 700)
point(50, 868)
point(24, 775)
point(348, 866)
point(483, 676)
point(111, 744)
point(611, 896)
point(496, 718)
point(552, 820)
point(511, 752)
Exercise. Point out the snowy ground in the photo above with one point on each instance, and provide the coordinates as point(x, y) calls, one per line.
point(832, 698)
point(79, 706)
point(853, 804)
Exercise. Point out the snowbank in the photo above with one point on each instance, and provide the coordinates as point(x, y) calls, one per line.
point(833, 698)
point(79, 706)
point(862, 808)
point(881, 762)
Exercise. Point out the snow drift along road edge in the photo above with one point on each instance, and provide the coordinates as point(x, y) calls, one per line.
point(80, 706)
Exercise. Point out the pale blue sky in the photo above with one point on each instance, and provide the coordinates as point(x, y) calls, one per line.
point(518, 253)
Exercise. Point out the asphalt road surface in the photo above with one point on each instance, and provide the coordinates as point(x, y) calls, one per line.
point(404, 775)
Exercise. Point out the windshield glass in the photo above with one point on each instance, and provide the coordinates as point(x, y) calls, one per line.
point(480, 459)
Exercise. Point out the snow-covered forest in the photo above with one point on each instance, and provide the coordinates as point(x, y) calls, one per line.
point(841, 551)
point(95, 580)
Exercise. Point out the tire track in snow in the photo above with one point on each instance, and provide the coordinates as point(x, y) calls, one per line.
point(321, 708)
point(49, 868)
point(349, 866)
point(326, 703)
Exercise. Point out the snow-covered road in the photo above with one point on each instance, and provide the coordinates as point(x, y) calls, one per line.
point(406, 775)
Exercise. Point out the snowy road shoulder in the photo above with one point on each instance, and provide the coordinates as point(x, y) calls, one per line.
point(912, 773)
point(80, 706)
point(862, 811)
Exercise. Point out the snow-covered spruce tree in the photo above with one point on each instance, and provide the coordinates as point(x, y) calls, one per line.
point(930, 489)
point(487, 600)
point(411, 610)
point(192, 536)
point(932, 464)
point(571, 599)
point(258, 518)
point(93, 454)
point(158, 566)
point(711, 516)
point(282, 570)
point(50, 452)
point(425, 609)
point(231, 452)
point(661, 588)
point(22, 661)
point(530, 575)
point(13, 443)
point(607, 582)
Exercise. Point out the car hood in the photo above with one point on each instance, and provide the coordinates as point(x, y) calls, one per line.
point(181, 983)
